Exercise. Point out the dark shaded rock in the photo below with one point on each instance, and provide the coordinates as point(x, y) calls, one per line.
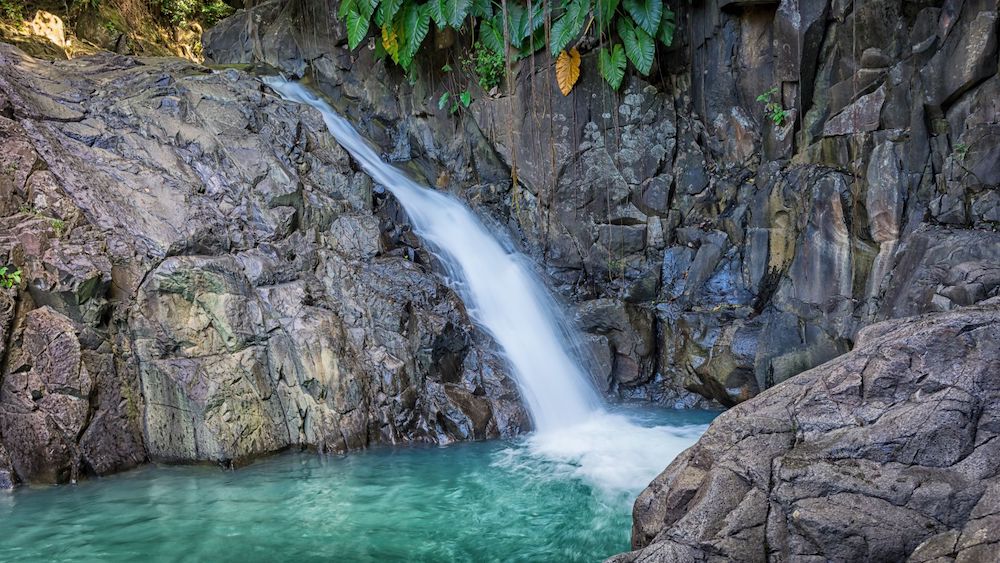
point(882, 454)
point(795, 231)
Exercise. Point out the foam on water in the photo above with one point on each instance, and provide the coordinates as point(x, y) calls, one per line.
point(610, 452)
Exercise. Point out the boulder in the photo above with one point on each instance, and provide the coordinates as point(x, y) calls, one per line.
point(887, 453)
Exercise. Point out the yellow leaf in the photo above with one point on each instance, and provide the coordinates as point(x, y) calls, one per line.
point(567, 70)
point(390, 42)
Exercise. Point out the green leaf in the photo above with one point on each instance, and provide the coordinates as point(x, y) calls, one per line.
point(611, 64)
point(481, 9)
point(646, 14)
point(365, 7)
point(413, 22)
point(639, 45)
point(667, 26)
point(521, 24)
point(459, 9)
point(443, 100)
point(465, 97)
point(491, 33)
point(533, 43)
point(566, 28)
point(516, 24)
point(604, 13)
point(346, 6)
point(357, 28)
point(439, 12)
point(449, 12)
point(386, 11)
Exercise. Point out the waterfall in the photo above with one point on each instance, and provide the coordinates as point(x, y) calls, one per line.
point(499, 290)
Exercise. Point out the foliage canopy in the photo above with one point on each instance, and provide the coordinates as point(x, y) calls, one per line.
point(627, 29)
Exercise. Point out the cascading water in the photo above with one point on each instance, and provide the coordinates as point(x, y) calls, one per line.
point(499, 292)
point(504, 298)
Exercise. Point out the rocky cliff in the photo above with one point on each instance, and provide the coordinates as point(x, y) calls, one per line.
point(709, 250)
point(206, 277)
point(888, 453)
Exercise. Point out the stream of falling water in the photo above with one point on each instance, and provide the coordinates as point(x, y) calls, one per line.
point(503, 297)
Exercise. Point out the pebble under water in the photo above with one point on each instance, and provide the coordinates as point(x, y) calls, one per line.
point(542, 498)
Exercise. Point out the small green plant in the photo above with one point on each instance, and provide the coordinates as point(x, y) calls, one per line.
point(58, 225)
point(214, 11)
point(961, 149)
point(616, 266)
point(11, 10)
point(463, 99)
point(487, 64)
point(773, 109)
point(208, 12)
point(9, 279)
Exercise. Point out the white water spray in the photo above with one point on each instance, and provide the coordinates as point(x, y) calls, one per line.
point(504, 298)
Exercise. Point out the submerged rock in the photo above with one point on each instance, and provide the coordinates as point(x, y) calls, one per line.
point(887, 453)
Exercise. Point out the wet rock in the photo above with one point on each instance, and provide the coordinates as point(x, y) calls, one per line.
point(852, 460)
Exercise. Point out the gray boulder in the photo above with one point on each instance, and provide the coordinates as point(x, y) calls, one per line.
point(887, 453)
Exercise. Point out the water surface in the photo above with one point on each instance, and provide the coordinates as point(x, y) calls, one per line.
point(556, 497)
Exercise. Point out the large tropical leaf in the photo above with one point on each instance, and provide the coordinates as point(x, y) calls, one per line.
point(491, 33)
point(667, 26)
point(481, 9)
point(412, 24)
point(390, 42)
point(604, 13)
point(522, 23)
point(357, 28)
point(533, 43)
point(639, 45)
point(567, 70)
point(386, 10)
point(566, 28)
point(449, 12)
point(345, 7)
point(646, 14)
point(611, 63)
point(439, 12)
point(514, 15)
point(459, 9)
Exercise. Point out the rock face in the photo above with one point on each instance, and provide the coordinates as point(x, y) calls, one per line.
point(710, 252)
point(887, 453)
point(207, 278)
